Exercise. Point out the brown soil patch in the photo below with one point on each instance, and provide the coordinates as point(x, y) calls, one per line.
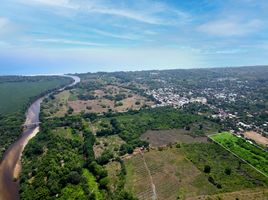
point(103, 105)
point(258, 138)
point(95, 106)
point(99, 93)
point(164, 137)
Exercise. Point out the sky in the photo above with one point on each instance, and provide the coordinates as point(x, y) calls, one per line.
point(61, 36)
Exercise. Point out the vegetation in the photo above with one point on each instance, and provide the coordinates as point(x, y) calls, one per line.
point(88, 129)
point(60, 163)
point(57, 168)
point(245, 150)
point(222, 169)
point(17, 93)
point(178, 173)
point(131, 125)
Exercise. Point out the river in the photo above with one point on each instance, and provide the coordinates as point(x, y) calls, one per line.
point(10, 166)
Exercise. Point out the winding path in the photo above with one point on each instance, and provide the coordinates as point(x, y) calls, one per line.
point(154, 197)
point(10, 166)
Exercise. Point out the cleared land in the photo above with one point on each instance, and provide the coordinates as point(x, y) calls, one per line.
point(113, 169)
point(58, 106)
point(111, 97)
point(258, 138)
point(248, 152)
point(179, 173)
point(111, 143)
point(163, 137)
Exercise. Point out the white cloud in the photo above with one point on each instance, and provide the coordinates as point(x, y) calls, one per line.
point(7, 28)
point(143, 11)
point(4, 26)
point(115, 35)
point(70, 42)
point(3, 23)
point(53, 3)
point(230, 27)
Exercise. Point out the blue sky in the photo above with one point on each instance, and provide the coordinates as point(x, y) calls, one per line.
point(54, 36)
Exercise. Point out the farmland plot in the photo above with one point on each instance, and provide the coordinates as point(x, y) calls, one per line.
point(255, 156)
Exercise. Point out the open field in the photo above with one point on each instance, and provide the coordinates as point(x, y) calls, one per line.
point(110, 97)
point(111, 143)
point(103, 105)
point(58, 106)
point(258, 138)
point(246, 151)
point(164, 137)
point(173, 176)
point(113, 169)
point(248, 194)
point(178, 172)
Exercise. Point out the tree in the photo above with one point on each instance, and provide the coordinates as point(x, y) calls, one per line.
point(70, 110)
point(207, 169)
point(104, 182)
point(228, 171)
point(74, 177)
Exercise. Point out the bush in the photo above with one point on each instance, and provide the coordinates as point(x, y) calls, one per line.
point(126, 148)
point(207, 169)
point(105, 157)
point(137, 103)
point(104, 182)
point(211, 180)
point(74, 177)
point(118, 104)
point(228, 171)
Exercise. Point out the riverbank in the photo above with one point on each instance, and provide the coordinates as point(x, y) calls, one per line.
point(10, 166)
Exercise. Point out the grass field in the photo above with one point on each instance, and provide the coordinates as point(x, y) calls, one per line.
point(179, 172)
point(58, 106)
point(111, 143)
point(247, 194)
point(173, 176)
point(248, 152)
point(113, 168)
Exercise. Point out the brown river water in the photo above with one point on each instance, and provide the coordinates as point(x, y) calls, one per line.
point(11, 165)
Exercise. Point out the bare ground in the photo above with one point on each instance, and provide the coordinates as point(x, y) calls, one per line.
point(258, 138)
point(164, 137)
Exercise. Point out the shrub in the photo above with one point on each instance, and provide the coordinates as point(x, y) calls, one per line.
point(228, 171)
point(207, 169)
